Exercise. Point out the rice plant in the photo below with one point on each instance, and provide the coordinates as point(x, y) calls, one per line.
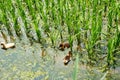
point(95, 31)
point(95, 25)
point(4, 15)
point(76, 68)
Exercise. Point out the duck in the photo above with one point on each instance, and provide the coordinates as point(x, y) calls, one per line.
point(7, 45)
point(62, 46)
point(43, 53)
point(67, 58)
point(67, 45)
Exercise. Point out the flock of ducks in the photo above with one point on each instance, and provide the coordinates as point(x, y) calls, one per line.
point(62, 47)
point(68, 57)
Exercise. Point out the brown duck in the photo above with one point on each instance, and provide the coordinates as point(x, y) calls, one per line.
point(67, 58)
point(62, 46)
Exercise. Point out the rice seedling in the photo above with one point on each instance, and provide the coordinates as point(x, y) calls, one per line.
point(75, 73)
point(110, 57)
point(35, 21)
point(113, 42)
point(14, 18)
point(76, 23)
point(95, 31)
point(113, 45)
point(4, 15)
point(70, 39)
point(60, 18)
point(44, 15)
point(93, 24)
point(23, 15)
point(53, 37)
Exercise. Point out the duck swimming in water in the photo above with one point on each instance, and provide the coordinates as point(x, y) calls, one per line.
point(8, 45)
point(67, 45)
point(67, 58)
point(62, 46)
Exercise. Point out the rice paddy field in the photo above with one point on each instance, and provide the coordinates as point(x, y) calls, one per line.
point(91, 28)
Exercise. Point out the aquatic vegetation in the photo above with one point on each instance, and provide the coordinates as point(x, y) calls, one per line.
point(92, 26)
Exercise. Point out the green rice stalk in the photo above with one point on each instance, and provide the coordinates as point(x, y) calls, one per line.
point(114, 41)
point(75, 73)
point(53, 37)
point(21, 11)
point(110, 56)
point(70, 39)
point(15, 18)
point(31, 8)
point(94, 33)
point(45, 17)
point(5, 18)
point(60, 18)
point(76, 21)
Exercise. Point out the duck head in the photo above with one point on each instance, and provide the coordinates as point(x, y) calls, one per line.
point(61, 47)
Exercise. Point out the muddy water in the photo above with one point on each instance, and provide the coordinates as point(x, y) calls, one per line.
point(26, 63)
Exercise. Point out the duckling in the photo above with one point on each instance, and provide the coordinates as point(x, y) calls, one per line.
point(62, 46)
point(67, 58)
point(8, 45)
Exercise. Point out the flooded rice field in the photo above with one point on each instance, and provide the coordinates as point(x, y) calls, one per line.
point(26, 62)
point(60, 39)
